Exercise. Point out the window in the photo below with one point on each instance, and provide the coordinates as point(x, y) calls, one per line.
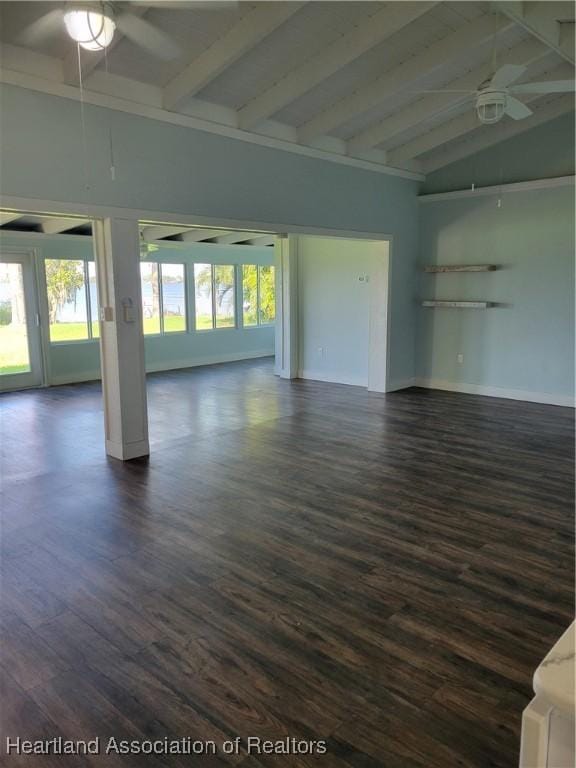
point(93, 296)
point(68, 299)
point(214, 289)
point(203, 294)
point(266, 295)
point(173, 297)
point(150, 297)
point(14, 350)
point(224, 296)
point(163, 297)
point(250, 294)
point(258, 295)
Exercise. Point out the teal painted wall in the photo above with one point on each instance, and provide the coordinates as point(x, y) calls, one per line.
point(539, 153)
point(77, 361)
point(163, 167)
point(526, 343)
point(334, 308)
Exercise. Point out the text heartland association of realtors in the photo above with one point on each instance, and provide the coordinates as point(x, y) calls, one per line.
point(251, 745)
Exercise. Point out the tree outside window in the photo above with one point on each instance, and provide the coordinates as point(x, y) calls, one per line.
point(67, 300)
point(258, 295)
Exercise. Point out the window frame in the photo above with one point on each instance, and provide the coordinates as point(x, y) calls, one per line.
point(214, 327)
point(90, 337)
point(251, 326)
point(258, 323)
point(162, 331)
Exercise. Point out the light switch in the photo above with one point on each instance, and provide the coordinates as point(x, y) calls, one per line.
point(128, 310)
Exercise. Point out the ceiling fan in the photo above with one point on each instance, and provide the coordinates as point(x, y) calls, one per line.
point(92, 24)
point(495, 97)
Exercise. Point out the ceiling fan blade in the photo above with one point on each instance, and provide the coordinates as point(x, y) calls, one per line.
point(46, 26)
point(441, 90)
point(148, 36)
point(516, 110)
point(552, 86)
point(210, 5)
point(506, 75)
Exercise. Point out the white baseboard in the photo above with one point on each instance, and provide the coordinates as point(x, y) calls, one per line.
point(394, 386)
point(509, 394)
point(171, 365)
point(232, 357)
point(127, 451)
point(313, 375)
point(76, 378)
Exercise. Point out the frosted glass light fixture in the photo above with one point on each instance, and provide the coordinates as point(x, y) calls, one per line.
point(490, 106)
point(90, 28)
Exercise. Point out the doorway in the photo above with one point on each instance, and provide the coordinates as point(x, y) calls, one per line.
point(20, 342)
point(343, 310)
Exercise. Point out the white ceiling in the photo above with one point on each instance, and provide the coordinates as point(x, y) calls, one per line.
point(347, 78)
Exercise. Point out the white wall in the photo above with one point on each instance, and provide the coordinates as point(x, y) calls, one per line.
point(524, 346)
point(178, 170)
point(334, 303)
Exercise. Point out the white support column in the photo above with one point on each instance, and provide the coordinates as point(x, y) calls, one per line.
point(117, 254)
point(286, 259)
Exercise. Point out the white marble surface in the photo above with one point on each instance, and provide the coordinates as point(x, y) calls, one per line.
point(561, 741)
point(554, 678)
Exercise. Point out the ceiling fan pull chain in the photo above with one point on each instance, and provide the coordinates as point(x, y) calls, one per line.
point(110, 138)
point(83, 122)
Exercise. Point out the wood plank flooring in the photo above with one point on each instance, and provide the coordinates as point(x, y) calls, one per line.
point(383, 572)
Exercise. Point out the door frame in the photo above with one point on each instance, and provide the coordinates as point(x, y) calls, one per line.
point(288, 359)
point(36, 343)
point(280, 230)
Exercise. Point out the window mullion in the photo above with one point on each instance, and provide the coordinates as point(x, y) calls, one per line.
point(239, 295)
point(186, 274)
point(160, 295)
point(88, 300)
point(192, 297)
point(235, 293)
point(258, 312)
point(213, 277)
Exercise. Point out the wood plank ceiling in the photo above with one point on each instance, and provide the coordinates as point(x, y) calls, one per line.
point(357, 80)
point(170, 234)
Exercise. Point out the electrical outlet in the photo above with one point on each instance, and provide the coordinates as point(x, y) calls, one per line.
point(460, 358)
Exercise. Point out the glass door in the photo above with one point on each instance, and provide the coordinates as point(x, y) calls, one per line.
point(20, 344)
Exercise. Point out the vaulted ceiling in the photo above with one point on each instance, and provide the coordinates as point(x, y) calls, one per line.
point(373, 82)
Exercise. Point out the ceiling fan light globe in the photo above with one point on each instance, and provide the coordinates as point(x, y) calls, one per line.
point(91, 29)
point(490, 107)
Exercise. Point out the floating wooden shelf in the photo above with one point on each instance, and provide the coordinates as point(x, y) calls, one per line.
point(460, 267)
point(457, 304)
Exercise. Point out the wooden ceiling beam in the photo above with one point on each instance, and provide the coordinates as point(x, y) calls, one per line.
point(527, 52)
point(542, 114)
point(8, 218)
point(235, 238)
point(369, 33)
point(197, 235)
point(458, 127)
point(541, 20)
point(263, 240)
point(248, 32)
point(438, 55)
point(158, 232)
point(59, 226)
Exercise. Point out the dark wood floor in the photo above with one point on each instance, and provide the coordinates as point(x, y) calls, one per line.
point(301, 559)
